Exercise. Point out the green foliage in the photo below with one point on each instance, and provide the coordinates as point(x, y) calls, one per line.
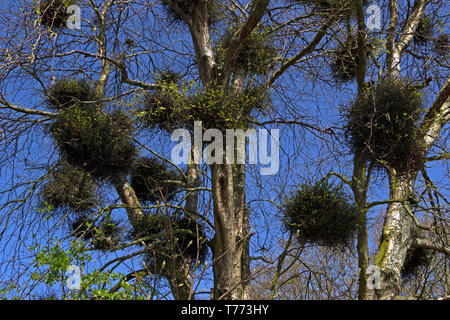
point(424, 31)
point(152, 181)
point(53, 12)
point(173, 107)
point(162, 109)
point(66, 93)
point(256, 56)
point(107, 236)
point(225, 110)
point(95, 285)
point(98, 142)
point(383, 125)
point(104, 236)
point(168, 77)
point(70, 188)
point(5, 292)
point(322, 214)
point(58, 260)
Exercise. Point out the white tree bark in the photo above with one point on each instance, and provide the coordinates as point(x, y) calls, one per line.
point(396, 236)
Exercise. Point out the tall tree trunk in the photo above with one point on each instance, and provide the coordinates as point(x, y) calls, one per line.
point(359, 187)
point(231, 263)
point(229, 240)
point(360, 176)
point(396, 236)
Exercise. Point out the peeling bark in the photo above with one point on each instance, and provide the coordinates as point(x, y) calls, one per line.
point(396, 236)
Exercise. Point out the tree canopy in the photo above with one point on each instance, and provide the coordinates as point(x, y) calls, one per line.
point(348, 101)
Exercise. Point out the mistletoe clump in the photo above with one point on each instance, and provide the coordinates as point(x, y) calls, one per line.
point(171, 108)
point(172, 233)
point(168, 77)
point(71, 188)
point(337, 8)
point(66, 93)
point(83, 228)
point(151, 225)
point(383, 125)
point(416, 258)
point(163, 108)
point(152, 181)
point(107, 236)
point(442, 45)
point(345, 59)
point(187, 7)
point(94, 140)
point(424, 31)
point(322, 214)
point(190, 243)
point(53, 13)
point(256, 55)
point(104, 235)
point(222, 110)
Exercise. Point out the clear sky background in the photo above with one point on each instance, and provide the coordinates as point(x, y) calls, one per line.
point(304, 155)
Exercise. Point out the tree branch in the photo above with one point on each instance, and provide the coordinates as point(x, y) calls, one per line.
point(306, 50)
point(427, 244)
point(411, 25)
point(258, 10)
point(7, 105)
point(437, 116)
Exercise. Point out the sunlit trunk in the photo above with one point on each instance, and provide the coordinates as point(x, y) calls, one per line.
point(229, 240)
point(396, 236)
point(128, 197)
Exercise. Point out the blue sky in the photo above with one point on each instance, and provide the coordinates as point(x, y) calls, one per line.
point(304, 154)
